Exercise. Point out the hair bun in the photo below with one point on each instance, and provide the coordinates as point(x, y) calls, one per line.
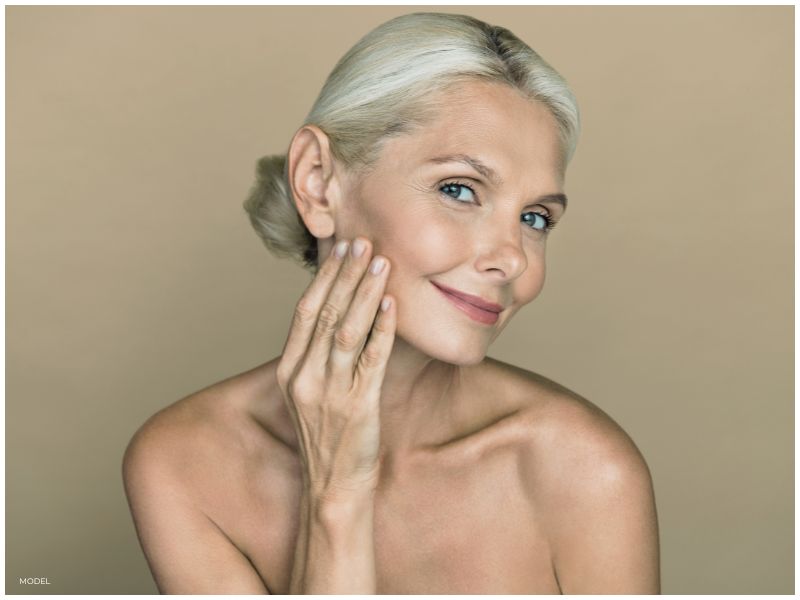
point(273, 214)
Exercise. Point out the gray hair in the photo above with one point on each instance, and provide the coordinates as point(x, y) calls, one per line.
point(388, 84)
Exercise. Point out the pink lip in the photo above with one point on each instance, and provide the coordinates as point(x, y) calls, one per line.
point(475, 307)
point(474, 300)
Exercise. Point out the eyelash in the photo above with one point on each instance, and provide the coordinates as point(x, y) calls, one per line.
point(549, 222)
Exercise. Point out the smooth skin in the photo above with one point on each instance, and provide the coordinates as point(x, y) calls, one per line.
point(383, 451)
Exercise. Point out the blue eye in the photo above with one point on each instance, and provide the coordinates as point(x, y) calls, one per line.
point(458, 191)
point(532, 219)
point(463, 193)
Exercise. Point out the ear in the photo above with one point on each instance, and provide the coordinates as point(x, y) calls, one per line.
point(313, 181)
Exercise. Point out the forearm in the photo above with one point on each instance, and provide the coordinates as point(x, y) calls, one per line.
point(335, 551)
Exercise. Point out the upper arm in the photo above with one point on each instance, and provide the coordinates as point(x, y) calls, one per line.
point(604, 529)
point(186, 551)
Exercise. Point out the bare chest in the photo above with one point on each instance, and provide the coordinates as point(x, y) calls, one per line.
point(464, 530)
point(471, 531)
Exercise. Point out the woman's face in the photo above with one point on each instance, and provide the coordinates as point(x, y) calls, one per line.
point(460, 208)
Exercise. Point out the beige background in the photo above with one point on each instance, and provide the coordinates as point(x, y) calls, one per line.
point(134, 279)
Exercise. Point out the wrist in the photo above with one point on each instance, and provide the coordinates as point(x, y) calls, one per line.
point(338, 505)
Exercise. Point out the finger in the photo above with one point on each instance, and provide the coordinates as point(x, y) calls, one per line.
point(337, 303)
point(371, 366)
point(307, 310)
point(351, 336)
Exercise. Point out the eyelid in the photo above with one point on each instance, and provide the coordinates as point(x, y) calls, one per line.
point(469, 181)
point(465, 181)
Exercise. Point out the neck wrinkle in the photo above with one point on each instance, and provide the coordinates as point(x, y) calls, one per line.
point(416, 402)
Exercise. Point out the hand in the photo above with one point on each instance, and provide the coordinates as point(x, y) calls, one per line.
point(332, 369)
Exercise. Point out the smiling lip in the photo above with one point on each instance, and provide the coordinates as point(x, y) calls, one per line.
point(475, 307)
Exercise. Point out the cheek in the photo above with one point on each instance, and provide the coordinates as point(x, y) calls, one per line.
point(418, 243)
point(528, 291)
point(530, 283)
point(435, 247)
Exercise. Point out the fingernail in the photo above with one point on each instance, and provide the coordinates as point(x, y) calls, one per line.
point(340, 249)
point(385, 304)
point(358, 247)
point(377, 265)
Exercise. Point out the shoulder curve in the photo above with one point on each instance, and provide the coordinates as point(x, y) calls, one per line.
point(164, 468)
point(228, 419)
point(185, 426)
point(167, 438)
point(540, 398)
point(592, 492)
point(563, 429)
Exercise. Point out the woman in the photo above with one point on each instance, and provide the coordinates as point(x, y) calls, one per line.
point(383, 451)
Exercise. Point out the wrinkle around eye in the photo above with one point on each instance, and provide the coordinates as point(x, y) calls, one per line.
point(433, 192)
point(419, 186)
point(421, 198)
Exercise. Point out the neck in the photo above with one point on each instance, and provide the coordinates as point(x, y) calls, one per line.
point(417, 401)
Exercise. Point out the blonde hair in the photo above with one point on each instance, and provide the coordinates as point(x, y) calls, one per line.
point(388, 84)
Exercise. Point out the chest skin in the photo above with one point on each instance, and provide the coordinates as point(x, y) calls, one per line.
point(450, 524)
point(461, 529)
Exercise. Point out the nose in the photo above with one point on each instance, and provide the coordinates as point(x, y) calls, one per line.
point(501, 253)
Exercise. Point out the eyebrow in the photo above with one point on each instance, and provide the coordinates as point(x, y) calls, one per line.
point(492, 175)
point(557, 198)
point(481, 168)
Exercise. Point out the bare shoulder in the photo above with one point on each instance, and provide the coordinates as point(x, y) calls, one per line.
point(590, 487)
point(186, 426)
point(175, 450)
point(565, 434)
point(175, 470)
point(219, 424)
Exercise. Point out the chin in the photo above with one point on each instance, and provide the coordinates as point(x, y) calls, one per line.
point(451, 350)
point(464, 360)
point(461, 354)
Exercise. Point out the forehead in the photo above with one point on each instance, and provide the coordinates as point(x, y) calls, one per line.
point(515, 135)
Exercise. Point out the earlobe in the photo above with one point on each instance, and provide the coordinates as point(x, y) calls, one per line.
point(310, 170)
